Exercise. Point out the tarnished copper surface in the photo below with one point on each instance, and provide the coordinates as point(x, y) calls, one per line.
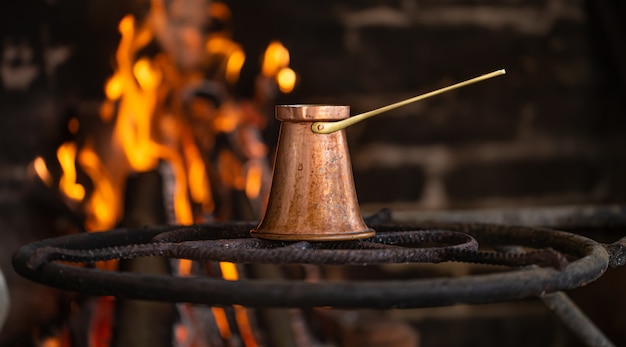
point(312, 196)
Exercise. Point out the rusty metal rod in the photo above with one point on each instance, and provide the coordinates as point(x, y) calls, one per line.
point(33, 262)
point(576, 320)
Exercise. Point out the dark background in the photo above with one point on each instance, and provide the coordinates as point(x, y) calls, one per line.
point(549, 132)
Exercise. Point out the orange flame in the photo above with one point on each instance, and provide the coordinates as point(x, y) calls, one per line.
point(51, 342)
point(222, 322)
point(230, 170)
point(233, 66)
point(66, 154)
point(41, 169)
point(276, 66)
point(220, 11)
point(104, 207)
point(286, 79)
point(182, 207)
point(233, 55)
point(227, 119)
point(114, 87)
point(230, 273)
point(276, 57)
point(254, 181)
point(145, 134)
point(199, 186)
point(135, 85)
point(137, 93)
point(243, 323)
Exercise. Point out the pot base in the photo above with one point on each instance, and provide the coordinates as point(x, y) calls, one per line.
point(295, 236)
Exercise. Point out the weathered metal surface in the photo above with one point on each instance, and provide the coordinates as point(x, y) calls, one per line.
point(576, 320)
point(230, 242)
point(617, 252)
point(385, 248)
point(312, 196)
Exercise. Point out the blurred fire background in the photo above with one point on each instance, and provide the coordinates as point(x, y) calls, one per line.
point(549, 133)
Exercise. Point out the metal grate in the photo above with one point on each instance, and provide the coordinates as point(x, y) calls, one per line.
point(543, 261)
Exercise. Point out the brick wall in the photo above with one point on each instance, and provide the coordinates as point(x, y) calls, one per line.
point(549, 132)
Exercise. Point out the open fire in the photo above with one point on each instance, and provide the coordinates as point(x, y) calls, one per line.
point(170, 112)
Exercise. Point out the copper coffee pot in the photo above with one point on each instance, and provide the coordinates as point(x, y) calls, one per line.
point(313, 196)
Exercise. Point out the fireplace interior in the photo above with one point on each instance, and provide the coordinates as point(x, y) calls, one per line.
point(542, 146)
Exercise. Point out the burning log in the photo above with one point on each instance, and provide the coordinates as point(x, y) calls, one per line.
point(144, 323)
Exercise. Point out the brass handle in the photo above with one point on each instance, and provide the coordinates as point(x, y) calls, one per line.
point(329, 127)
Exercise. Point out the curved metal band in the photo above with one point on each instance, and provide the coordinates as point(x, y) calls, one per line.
point(592, 260)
